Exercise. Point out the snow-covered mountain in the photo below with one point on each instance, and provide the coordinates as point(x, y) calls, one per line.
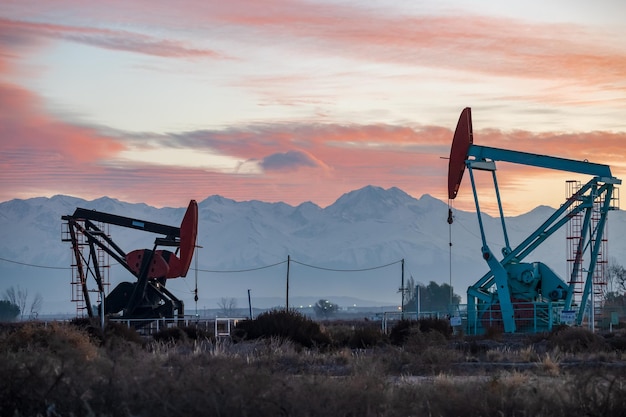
point(245, 246)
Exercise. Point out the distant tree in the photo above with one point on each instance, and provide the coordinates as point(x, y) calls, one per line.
point(325, 309)
point(228, 306)
point(616, 276)
point(433, 297)
point(35, 306)
point(19, 297)
point(8, 311)
point(614, 299)
point(615, 303)
point(409, 289)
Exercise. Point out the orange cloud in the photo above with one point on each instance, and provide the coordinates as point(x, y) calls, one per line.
point(39, 154)
point(598, 147)
point(322, 162)
point(524, 187)
point(24, 126)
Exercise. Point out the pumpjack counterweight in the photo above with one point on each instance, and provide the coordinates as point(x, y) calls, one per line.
point(146, 297)
point(526, 296)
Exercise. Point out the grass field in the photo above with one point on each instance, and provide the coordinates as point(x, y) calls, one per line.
point(290, 366)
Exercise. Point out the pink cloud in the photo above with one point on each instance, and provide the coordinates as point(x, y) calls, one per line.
point(323, 161)
point(39, 152)
point(357, 155)
point(481, 44)
point(599, 147)
point(25, 126)
point(102, 38)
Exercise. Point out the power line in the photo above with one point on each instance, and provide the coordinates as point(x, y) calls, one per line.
point(239, 270)
point(347, 270)
point(223, 271)
point(33, 265)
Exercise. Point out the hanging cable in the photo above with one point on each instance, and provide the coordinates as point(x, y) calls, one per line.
point(450, 221)
point(195, 296)
point(347, 270)
point(33, 265)
point(240, 270)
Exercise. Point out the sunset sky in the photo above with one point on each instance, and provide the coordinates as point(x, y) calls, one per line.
point(290, 100)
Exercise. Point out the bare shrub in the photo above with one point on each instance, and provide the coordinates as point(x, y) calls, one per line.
point(119, 337)
point(420, 353)
point(436, 324)
point(493, 332)
point(498, 355)
point(43, 367)
point(59, 370)
point(576, 340)
point(89, 325)
point(600, 392)
point(60, 340)
point(291, 325)
point(616, 341)
point(528, 354)
point(360, 395)
point(340, 334)
point(477, 396)
point(366, 337)
point(404, 328)
point(417, 341)
point(171, 334)
point(196, 333)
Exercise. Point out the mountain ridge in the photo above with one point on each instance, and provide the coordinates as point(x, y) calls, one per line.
point(239, 241)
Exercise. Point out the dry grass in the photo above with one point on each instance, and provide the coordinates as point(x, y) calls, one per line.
point(550, 364)
point(61, 370)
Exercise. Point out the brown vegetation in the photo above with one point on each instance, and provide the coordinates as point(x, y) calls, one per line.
point(65, 369)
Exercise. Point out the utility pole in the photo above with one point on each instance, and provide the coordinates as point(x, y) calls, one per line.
point(287, 289)
point(402, 291)
point(102, 297)
point(250, 304)
point(417, 302)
